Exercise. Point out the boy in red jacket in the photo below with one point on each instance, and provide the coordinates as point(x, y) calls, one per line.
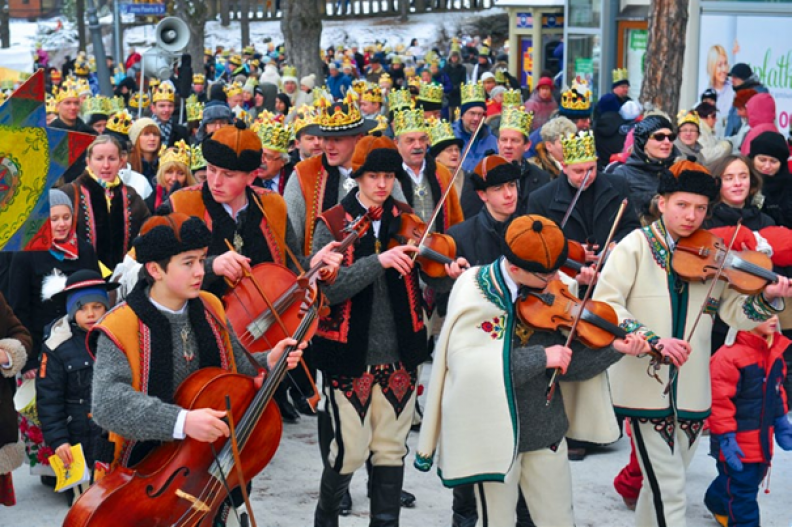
point(749, 407)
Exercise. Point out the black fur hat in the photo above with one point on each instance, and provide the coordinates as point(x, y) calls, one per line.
point(493, 171)
point(162, 237)
point(233, 147)
point(380, 160)
point(692, 181)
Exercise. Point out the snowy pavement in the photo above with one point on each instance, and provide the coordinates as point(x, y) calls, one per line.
point(285, 494)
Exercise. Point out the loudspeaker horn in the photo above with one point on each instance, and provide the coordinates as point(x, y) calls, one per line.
point(172, 34)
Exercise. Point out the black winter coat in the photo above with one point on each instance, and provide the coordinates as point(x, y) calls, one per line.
point(479, 238)
point(726, 216)
point(457, 74)
point(553, 200)
point(531, 179)
point(63, 387)
point(643, 178)
point(778, 197)
point(609, 137)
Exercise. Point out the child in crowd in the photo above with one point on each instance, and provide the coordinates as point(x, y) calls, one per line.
point(749, 407)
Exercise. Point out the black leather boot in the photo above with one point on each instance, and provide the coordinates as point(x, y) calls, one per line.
point(464, 507)
point(386, 484)
point(288, 412)
point(331, 491)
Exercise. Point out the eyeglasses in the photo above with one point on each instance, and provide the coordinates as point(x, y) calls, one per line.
point(662, 137)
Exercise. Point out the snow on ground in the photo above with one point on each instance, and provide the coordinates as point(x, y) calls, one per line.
point(285, 494)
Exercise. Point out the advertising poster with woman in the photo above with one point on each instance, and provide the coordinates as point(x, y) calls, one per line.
point(762, 42)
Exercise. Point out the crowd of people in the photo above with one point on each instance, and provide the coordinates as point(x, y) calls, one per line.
point(181, 196)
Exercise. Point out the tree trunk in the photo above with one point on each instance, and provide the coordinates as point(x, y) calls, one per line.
point(404, 8)
point(665, 54)
point(195, 14)
point(225, 16)
point(80, 8)
point(301, 25)
point(5, 31)
point(244, 19)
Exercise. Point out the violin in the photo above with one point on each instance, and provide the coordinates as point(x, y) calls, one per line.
point(435, 250)
point(576, 258)
point(701, 256)
point(184, 483)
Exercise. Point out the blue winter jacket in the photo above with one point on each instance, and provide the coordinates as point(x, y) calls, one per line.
point(486, 140)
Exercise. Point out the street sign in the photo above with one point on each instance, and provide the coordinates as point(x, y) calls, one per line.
point(143, 9)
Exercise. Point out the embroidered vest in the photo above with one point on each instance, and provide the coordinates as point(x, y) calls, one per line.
point(313, 182)
point(273, 226)
point(123, 328)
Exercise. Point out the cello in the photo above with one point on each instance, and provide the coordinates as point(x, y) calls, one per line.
point(184, 483)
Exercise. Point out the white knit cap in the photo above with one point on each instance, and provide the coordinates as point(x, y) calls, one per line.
point(309, 81)
point(137, 127)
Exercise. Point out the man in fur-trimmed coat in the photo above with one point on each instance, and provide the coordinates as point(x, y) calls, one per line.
point(15, 343)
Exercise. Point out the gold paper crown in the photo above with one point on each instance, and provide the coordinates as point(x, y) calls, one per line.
point(97, 104)
point(373, 93)
point(153, 83)
point(289, 71)
point(414, 82)
point(620, 74)
point(359, 86)
point(164, 92)
point(208, 52)
point(245, 117)
point(430, 92)
point(577, 98)
point(399, 100)
point(83, 87)
point(120, 122)
point(405, 121)
point(511, 98)
point(81, 68)
point(133, 100)
point(409, 72)
point(51, 105)
point(68, 90)
point(199, 78)
point(455, 45)
point(232, 90)
point(303, 117)
point(439, 131)
point(194, 108)
point(248, 50)
point(385, 77)
point(473, 92)
point(338, 119)
point(117, 104)
point(578, 148)
point(273, 135)
point(235, 60)
point(382, 124)
point(178, 153)
point(516, 118)
point(197, 160)
point(691, 117)
point(500, 77)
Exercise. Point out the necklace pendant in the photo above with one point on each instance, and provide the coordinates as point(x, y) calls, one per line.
point(187, 351)
point(420, 191)
point(377, 246)
point(238, 243)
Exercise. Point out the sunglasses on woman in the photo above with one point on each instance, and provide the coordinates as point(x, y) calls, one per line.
point(659, 137)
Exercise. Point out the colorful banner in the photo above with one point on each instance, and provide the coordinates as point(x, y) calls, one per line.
point(730, 39)
point(32, 158)
point(526, 64)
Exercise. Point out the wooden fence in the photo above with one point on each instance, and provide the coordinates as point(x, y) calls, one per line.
point(338, 9)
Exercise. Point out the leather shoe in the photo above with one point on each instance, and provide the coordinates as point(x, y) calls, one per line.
point(288, 412)
point(346, 504)
point(576, 454)
point(407, 499)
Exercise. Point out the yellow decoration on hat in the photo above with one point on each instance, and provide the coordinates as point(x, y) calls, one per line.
point(385, 78)
point(244, 116)
point(134, 98)
point(199, 78)
point(235, 60)
point(304, 116)
point(153, 83)
point(232, 90)
point(359, 86)
point(339, 120)
point(455, 45)
point(620, 74)
point(164, 92)
point(577, 98)
point(194, 108)
point(578, 148)
point(473, 92)
point(414, 82)
point(273, 134)
point(197, 160)
point(68, 90)
point(120, 122)
point(97, 104)
point(405, 121)
point(691, 117)
point(511, 98)
point(516, 118)
point(373, 93)
point(117, 104)
point(178, 153)
point(399, 100)
point(248, 50)
point(382, 124)
point(208, 52)
point(51, 104)
point(430, 92)
point(81, 68)
point(439, 130)
point(289, 71)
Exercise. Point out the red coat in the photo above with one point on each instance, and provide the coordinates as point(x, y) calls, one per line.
point(748, 394)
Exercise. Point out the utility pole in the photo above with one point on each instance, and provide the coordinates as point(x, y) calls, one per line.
point(80, 14)
point(5, 30)
point(99, 52)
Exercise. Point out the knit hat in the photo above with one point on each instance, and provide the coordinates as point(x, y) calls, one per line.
point(535, 244)
point(705, 109)
point(487, 75)
point(545, 81)
point(163, 237)
point(82, 287)
point(309, 81)
point(649, 125)
point(233, 147)
point(741, 71)
point(216, 112)
point(380, 160)
point(58, 197)
point(691, 181)
point(138, 126)
point(769, 144)
point(493, 171)
point(710, 93)
point(366, 145)
point(741, 97)
point(630, 110)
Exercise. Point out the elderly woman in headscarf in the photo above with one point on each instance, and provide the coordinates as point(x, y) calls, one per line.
point(653, 153)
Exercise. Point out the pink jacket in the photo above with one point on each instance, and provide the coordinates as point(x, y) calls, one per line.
point(761, 109)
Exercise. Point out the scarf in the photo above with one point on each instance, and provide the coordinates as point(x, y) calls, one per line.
point(68, 249)
point(160, 371)
point(107, 186)
point(165, 129)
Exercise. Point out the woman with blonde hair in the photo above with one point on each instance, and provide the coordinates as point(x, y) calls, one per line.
point(718, 74)
point(146, 139)
point(173, 173)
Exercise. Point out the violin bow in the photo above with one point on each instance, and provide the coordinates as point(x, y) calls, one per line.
point(448, 190)
point(575, 199)
point(551, 387)
point(238, 461)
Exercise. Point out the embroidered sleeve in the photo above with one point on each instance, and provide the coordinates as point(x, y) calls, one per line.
point(423, 462)
point(633, 326)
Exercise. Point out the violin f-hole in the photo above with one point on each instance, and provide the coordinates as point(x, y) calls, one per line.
point(150, 489)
